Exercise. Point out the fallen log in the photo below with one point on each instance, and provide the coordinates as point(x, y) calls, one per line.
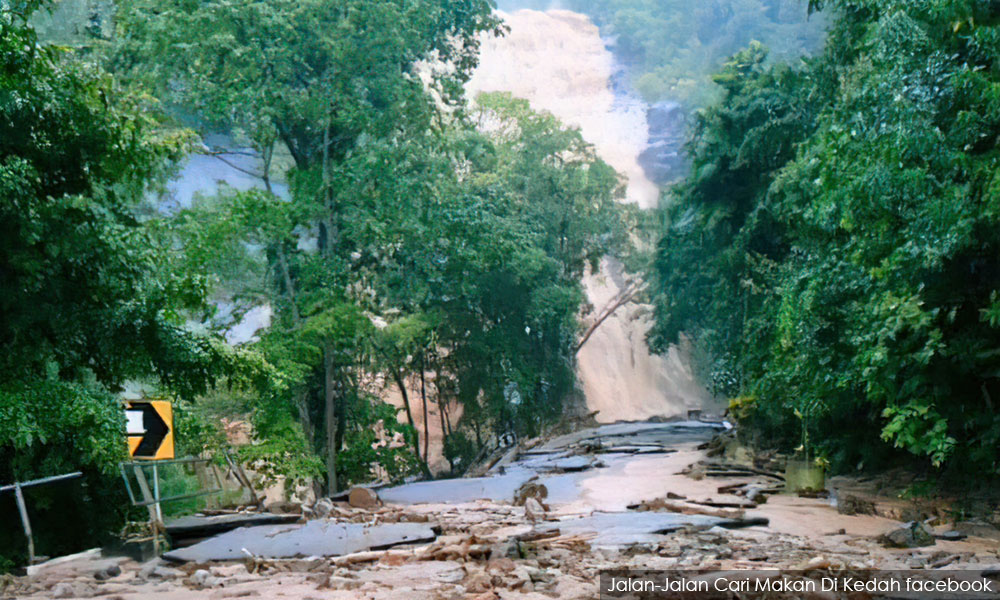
point(686, 509)
point(732, 487)
point(725, 504)
point(368, 556)
point(716, 469)
point(534, 536)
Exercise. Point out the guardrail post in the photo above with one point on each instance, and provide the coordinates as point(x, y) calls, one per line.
point(23, 509)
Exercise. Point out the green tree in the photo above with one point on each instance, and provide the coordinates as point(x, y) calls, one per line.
point(88, 302)
point(860, 271)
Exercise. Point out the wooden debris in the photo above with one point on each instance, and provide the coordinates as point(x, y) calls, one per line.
point(369, 556)
point(725, 504)
point(662, 504)
point(534, 536)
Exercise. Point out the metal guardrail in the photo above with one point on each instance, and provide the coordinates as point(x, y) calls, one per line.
point(151, 495)
point(22, 507)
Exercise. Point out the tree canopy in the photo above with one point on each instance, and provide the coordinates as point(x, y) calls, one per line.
point(88, 302)
point(840, 214)
point(416, 252)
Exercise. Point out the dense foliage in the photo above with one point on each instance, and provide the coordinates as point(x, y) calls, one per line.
point(87, 302)
point(672, 47)
point(416, 253)
point(834, 250)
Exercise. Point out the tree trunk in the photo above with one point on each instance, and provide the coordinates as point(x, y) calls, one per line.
point(423, 401)
point(409, 418)
point(289, 286)
point(445, 430)
point(331, 233)
point(330, 412)
point(341, 417)
point(302, 404)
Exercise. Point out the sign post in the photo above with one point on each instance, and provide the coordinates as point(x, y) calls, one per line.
point(149, 425)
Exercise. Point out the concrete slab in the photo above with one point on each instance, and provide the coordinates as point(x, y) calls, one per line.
point(626, 528)
point(315, 538)
point(499, 488)
point(199, 526)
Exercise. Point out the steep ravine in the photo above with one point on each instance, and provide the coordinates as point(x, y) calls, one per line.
point(558, 61)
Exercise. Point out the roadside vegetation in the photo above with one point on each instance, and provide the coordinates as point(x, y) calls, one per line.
point(833, 251)
point(424, 247)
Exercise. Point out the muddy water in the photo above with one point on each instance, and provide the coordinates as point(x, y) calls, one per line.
point(594, 475)
point(558, 61)
point(602, 469)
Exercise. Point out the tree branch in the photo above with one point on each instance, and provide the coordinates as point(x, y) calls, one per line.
point(621, 299)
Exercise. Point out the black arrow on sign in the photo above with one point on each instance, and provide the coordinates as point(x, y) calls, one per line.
point(156, 430)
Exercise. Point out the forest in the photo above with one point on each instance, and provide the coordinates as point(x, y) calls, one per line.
point(834, 249)
point(832, 253)
point(413, 242)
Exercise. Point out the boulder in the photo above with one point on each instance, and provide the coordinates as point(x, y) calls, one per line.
point(530, 489)
point(533, 510)
point(910, 535)
point(850, 504)
point(204, 579)
point(106, 573)
point(73, 590)
point(322, 508)
point(361, 497)
point(284, 508)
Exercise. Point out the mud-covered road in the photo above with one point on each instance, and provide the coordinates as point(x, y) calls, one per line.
point(543, 523)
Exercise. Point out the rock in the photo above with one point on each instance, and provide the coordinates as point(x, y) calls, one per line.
point(156, 569)
point(361, 497)
point(322, 508)
point(818, 563)
point(910, 535)
point(756, 494)
point(284, 508)
point(530, 490)
point(533, 510)
point(520, 578)
point(335, 582)
point(509, 548)
point(108, 573)
point(160, 572)
point(757, 555)
point(478, 582)
point(73, 590)
point(204, 579)
point(414, 518)
point(950, 535)
point(503, 565)
point(854, 505)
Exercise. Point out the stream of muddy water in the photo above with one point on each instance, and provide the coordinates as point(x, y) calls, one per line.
point(544, 522)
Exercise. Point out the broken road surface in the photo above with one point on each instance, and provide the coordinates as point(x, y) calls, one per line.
point(542, 523)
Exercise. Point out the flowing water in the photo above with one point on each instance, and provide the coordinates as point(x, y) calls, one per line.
point(557, 60)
